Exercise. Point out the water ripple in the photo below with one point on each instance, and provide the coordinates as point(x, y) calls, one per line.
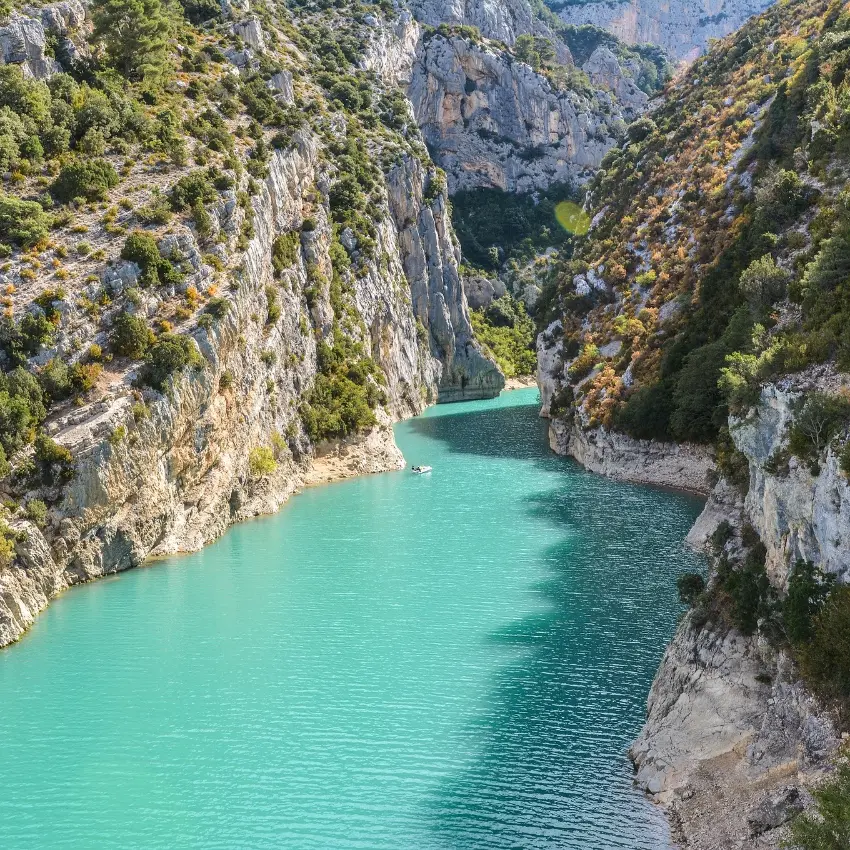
point(446, 662)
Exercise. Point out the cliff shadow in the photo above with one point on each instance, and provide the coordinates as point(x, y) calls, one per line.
point(552, 770)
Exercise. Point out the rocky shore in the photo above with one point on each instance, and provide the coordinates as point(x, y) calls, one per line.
point(732, 739)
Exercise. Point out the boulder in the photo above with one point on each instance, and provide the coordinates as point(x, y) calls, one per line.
point(775, 809)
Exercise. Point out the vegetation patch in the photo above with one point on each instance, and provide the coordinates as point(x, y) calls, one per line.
point(507, 334)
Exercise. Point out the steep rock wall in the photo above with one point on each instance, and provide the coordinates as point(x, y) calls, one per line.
point(682, 28)
point(490, 120)
point(797, 514)
point(614, 455)
point(180, 474)
point(729, 708)
point(500, 20)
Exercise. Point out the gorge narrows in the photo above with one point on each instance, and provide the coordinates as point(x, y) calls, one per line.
point(457, 660)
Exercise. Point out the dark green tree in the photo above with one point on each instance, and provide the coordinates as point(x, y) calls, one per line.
point(134, 36)
point(808, 589)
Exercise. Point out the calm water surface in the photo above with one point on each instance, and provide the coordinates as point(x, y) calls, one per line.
point(445, 662)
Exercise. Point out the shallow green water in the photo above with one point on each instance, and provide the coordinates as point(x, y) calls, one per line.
point(456, 661)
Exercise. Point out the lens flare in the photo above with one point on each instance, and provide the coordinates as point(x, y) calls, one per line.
point(572, 218)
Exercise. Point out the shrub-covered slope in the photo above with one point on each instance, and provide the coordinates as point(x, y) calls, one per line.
point(718, 256)
point(223, 245)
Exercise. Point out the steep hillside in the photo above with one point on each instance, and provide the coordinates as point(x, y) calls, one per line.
point(224, 249)
point(683, 28)
point(529, 111)
point(699, 337)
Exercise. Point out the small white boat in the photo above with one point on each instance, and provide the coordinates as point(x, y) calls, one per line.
point(420, 470)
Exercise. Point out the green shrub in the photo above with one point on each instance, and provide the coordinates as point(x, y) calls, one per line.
point(827, 825)
point(584, 364)
point(55, 379)
point(808, 589)
point(36, 512)
point(825, 659)
point(192, 189)
point(168, 355)
point(732, 464)
point(690, 587)
point(273, 306)
point(89, 179)
point(118, 435)
point(202, 219)
point(7, 544)
point(721, 536)
point(141, 248)
point(23, 339)
point(820, 419)
point(84, 376)
point(21, 409)
point(763, 283)
point(562, 401)
point(285, 250)
point(156, 211)
point(345, 392)
point(22, 223)
point(749, 592)
point(218, 307)
point(54, 461)
point(131, 336)
point(638, 130)
point(261, 462)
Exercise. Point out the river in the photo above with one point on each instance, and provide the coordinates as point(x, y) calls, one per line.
point(451, 661)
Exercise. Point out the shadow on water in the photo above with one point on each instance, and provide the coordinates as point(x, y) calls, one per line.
point(503, 432)
point(585, 663)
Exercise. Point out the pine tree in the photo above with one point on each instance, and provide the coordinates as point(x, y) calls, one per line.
point(134, 36)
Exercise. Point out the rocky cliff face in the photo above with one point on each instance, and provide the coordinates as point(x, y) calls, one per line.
point(499, 20)
point(798, 515)
point(682, 28)
point(490, 120)
point(730, 728)
point(732, 734)
point(157, 473)
point(24, 38)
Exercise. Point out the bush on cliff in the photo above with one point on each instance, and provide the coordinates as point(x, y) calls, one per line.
point(131, 336)
point(22, 222)
point(22, 409)
point(827, 825)
point(345, 394)
point(825, 659)
point(808, 590)
point(168, 355)
point(84, 179)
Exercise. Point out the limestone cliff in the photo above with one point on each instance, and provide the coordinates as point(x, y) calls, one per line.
point(182, 474)
point(490, 120)
point(265, 284)
point(682, 28)
point(500, 20)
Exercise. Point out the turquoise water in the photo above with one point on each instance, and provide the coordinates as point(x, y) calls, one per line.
point(447, 662)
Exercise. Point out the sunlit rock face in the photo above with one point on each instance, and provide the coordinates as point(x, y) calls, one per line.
point(490, 120)
point(683, 28)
